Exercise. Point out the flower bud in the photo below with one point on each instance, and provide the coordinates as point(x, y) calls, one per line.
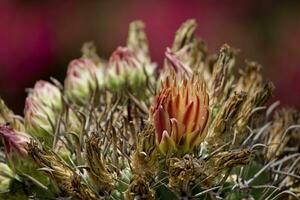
point(125, 69)
point(39, 119)
point(48, 95)
point(137, 41)
point(14, 141)
point(82, 79)
point(42, 108)
point(180, 114)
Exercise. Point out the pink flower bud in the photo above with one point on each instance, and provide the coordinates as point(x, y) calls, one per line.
point(82, 79)
point(42, 108)
point(47, 94)
point(39, 118)
point(14, 141)
point(125, 68)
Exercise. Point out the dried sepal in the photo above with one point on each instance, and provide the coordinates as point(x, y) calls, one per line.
point(218, 164)
point(66, 178)
point(254, 100)
point(89, 51)
point(137, 41)
point(179, 67)
point(97, 167)
point(139, 188)
point(250, 78)
point(230, 159)
point(279, 138)
point(145, 158)
point(82, 191)
point(221, 129)
point(182, 172)
point(222, 74)
point(258, 93)
point(188, 51)
point(184, 35)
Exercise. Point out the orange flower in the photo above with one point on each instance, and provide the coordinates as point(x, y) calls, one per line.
point(180, 114)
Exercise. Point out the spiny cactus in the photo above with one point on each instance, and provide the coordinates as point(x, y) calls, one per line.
point(197, 127)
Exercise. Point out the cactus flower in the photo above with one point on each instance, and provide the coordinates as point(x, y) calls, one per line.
point(82, 79)
point(124, 68)
point(14, 141)
point(180, 114)
point(48, 94)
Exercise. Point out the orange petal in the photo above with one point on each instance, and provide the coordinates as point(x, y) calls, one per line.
point(167, 144)
point(175, 132)
point(161, 122)
point(192, 139)
point(187, 117)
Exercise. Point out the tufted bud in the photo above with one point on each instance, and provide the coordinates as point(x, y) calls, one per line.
point(82, 79)
point(124, 68)
point(47, 94)
point(42, 108)
point(14, 141)
point(180, 114)
point(38, 118)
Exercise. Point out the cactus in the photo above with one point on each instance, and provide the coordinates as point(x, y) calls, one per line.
point(124, 128)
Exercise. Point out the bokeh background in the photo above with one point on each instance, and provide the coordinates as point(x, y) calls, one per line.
point(38, 38)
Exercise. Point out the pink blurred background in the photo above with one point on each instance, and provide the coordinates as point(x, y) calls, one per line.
point(39, 38)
